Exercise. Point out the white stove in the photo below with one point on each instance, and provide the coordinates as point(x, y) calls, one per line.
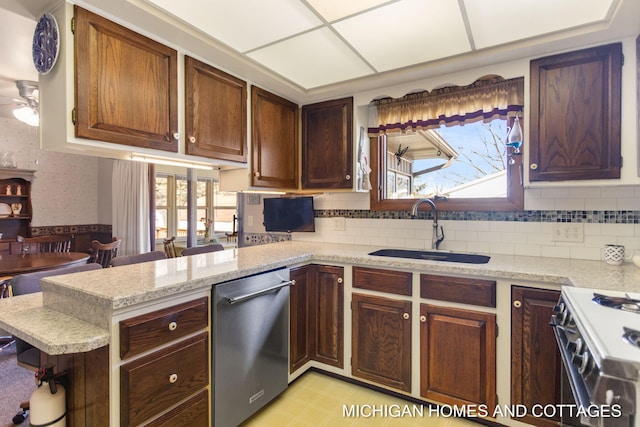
point(598, 333)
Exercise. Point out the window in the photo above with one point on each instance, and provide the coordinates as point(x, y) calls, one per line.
point(449, 145)
point(172, 202)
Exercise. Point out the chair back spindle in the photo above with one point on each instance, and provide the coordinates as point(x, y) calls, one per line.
point(104, 253)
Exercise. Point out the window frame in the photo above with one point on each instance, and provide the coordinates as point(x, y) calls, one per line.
point(172, 204)
point(513, 202)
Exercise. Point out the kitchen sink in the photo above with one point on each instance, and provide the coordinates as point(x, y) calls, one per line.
point(433, 255)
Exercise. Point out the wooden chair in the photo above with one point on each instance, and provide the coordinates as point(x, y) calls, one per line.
point(202, 249)
point(48, 243)
point(136, 259)
point(104, 253)
point(170, 247)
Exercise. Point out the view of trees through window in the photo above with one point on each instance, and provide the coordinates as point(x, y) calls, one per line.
point(458, 161)
point(213, 206)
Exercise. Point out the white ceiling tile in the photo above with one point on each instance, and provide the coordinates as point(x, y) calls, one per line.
point(243, 24)
point(336, 9)
point(312, 59)
point(407, 33)
point(495, 22)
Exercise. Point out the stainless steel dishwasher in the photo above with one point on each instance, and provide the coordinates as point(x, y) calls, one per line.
point(251, 344)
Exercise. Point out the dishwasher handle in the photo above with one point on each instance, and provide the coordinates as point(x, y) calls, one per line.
point(233, 300)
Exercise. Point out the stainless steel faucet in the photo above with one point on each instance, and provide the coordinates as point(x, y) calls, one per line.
point(438, 235)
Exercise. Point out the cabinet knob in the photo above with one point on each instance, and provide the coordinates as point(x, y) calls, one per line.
point(405, 316)
point(173, 378)
point(176, 135)
point(192, 139)
point(347, 178)
point(173, 326)
point(256, 174)
point(339, 279)
point(517, 304)
point(533, 166)
point(423, 318)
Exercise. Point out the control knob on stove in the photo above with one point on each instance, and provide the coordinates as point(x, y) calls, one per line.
point(561, 312)
point(583, 361)
point(575, 347)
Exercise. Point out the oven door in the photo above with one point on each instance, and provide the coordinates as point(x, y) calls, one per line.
point(574, 390)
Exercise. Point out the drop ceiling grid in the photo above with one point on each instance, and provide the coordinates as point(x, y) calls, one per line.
point(496, 22)
point(313, 59)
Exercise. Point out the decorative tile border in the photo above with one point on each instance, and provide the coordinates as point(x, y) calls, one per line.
point(70, 229)
point(595, 217)
point(254, 239)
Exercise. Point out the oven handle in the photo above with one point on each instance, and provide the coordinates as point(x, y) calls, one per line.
point(234, 300)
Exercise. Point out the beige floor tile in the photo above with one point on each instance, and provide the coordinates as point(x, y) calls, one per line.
point(319, 400)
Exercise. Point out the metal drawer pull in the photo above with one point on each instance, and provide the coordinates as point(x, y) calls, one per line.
point(233, 300)
point(173, 326)
point(173, 378)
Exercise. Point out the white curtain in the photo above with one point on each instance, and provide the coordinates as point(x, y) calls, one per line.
point(130, 194)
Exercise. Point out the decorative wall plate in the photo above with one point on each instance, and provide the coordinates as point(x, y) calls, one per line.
point(5, 210)
point(46, 43)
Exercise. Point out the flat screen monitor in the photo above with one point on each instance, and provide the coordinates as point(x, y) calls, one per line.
point(288, 214)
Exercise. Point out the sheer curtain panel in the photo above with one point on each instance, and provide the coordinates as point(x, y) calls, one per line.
point(130, 187)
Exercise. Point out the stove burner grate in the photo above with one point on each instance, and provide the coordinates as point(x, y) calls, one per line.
point(621, 303)
point(631, 336)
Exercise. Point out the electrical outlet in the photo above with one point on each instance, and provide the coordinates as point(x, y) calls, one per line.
point(339, 224)
point(568, 232)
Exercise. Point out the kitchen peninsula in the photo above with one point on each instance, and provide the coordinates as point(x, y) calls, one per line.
point(83, 313)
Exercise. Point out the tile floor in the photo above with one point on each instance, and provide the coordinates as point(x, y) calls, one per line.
point(319, 400)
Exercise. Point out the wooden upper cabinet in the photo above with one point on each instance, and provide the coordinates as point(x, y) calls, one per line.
point(327, 144)
point(216, 113)
point(575, 115)
point(126, 85)
point(274, 132)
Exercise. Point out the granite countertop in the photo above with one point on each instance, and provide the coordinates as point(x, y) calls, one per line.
point(73, 314)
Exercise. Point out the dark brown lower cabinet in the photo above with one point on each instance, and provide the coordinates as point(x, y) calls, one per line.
point(317, 316)
point(328, 347)
point(300, 317)
point(381, 341)
point(457, 356)
point(535, 358)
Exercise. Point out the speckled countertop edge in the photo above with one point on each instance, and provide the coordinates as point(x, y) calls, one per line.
point(108, 290)
point(49, 330)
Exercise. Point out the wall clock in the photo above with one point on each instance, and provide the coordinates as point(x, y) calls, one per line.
point(46, 43)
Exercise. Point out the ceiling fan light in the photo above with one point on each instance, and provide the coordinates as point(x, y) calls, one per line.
point(27, 115)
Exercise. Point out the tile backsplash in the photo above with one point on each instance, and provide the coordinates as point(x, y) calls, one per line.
point(603, 215)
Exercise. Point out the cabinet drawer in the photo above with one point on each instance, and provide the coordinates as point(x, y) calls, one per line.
point(456, 289)
point(374, 279)
point(153, 329)
point(193, 412)
point(160, 380)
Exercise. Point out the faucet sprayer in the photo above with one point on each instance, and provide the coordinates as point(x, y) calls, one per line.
point(438, 235)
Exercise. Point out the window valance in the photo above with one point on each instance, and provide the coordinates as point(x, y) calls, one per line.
point(485, 99)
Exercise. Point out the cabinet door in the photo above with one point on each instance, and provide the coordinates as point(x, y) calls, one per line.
point(329, 322)
point(274, 132)
point(300, 317)
point(457, 356)
point(216, 113)
point(535, 358)
point(575, 115)
point(126, 85)
point(381, 341)
point(327, 144)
